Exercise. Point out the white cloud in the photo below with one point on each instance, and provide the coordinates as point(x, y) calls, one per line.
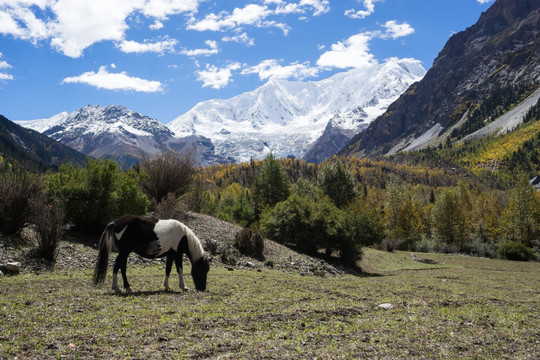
point(115, 81)
point(319, 6)
point(395, 30)
point(257, 15)
point(212, 50)
point(156, 25)
point(159, 47)
point(74, 25)
point(270, 68)
point(362, 14)
point(3, 67)
point(162, 8)
point(351, 53)
point(251, 14)
point(243, 38)
point(484, 1)
point(215, 77)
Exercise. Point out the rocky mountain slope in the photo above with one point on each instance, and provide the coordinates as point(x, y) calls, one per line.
point(32, 149)
point(501, 49)
point(118, 133)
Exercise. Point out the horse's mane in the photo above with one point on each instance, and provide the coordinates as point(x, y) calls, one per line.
point(194, 244)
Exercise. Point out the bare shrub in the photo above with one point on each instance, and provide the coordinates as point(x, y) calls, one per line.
point(229, 256)
point(389, 244)
point(169, 207)
point(250, 243)
point(16, 188)
point(167, 172)
point(212, 246)
point(47, 217)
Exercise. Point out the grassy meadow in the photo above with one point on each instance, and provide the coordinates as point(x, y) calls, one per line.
point(461, 307)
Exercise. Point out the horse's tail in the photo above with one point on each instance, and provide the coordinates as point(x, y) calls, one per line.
point(104, 247)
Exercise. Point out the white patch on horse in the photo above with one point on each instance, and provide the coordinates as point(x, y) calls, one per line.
point(168, 234)
point(118, 235)
point(194, 245)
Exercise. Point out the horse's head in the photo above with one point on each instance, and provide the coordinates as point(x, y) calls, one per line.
point(199, 271)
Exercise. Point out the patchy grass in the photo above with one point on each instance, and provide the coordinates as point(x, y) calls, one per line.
point(462, 307)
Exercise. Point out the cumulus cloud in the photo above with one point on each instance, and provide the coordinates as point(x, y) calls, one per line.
point(271, 68)
point(362, 14)
point(115, 81)
point(257, 15)
point(351, 53)
point(251, 14)
point(72, 26)
point(160, 47)
point(215, 77)
point(395, 30)
point(212, 50)
point(243, 39)
point(4, 66)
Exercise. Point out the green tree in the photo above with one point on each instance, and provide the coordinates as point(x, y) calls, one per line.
point(451, 216)
point(271, 185)
point(520, 217)
point(337, 183)
point(97, 193)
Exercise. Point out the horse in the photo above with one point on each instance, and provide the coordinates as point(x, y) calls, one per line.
point(150, 238)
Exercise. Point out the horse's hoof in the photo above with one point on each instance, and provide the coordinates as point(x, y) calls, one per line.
point(128, 290)
point(117, 291)
point(185, 289)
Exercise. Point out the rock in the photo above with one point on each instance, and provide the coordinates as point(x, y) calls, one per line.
point(386, 306)
point(13, 266)
point(1, 273)
point(249, 264)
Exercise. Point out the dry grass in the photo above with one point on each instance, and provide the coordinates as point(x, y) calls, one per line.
point(462, 307)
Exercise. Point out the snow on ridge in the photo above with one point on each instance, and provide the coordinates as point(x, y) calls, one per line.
point(287, 116)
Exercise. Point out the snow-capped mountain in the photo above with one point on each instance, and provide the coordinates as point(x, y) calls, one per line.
point(302, 119)
point(116, 132)
point(288, 117)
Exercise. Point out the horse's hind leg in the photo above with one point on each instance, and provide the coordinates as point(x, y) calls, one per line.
point(120, 264)
point(178, 262)
point(168, 269)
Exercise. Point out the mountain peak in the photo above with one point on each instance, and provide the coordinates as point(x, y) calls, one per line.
point(285, 117)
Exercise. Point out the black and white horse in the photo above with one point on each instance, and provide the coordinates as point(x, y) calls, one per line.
point(151, 238)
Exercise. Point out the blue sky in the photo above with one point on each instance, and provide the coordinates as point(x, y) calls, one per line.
point(162, 57)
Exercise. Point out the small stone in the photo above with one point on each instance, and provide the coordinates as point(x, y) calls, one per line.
point(14, 266)
point(386, 306)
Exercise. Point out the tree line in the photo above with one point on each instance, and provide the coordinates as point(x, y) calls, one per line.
point(332, 209)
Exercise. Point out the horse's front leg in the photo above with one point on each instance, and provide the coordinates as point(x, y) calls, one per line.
point(168, 269)
point(120, 264)
point(178, 262)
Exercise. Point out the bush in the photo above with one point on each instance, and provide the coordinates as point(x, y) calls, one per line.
point(94, 195)
point(514, 250)
point(168, 208)
point(229, 256)
point(48, 218)
point(17, 187)
point(250, 243)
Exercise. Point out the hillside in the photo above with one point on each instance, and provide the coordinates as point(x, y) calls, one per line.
point(500, 50)
point(33, 149)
